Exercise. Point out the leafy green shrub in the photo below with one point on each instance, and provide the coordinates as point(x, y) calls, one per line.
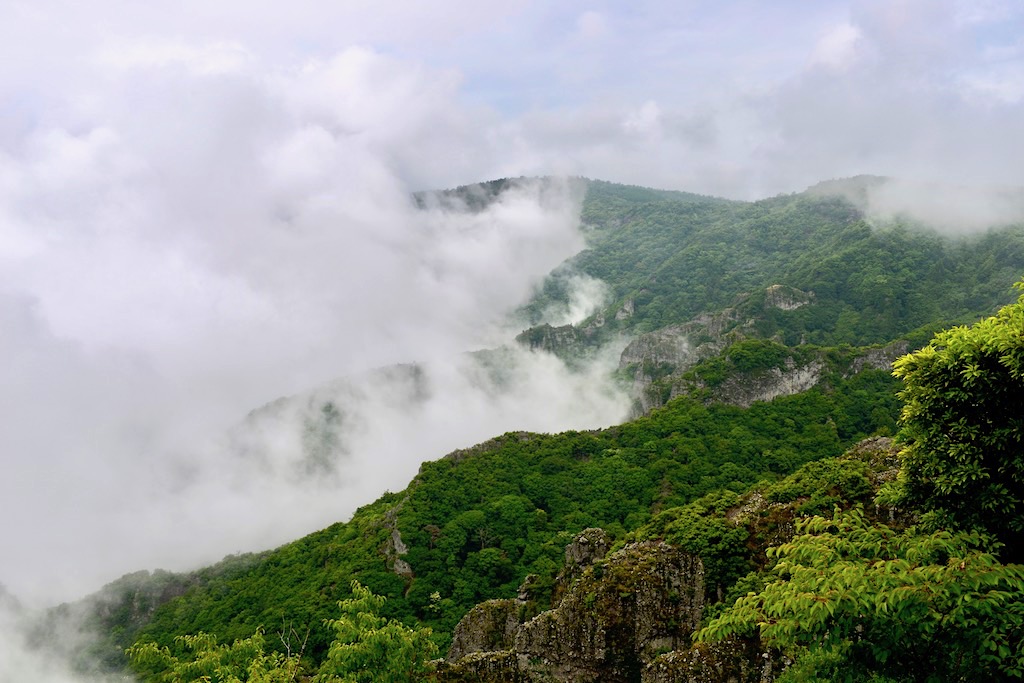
point(962, 427)
point(928, 607)
point(200, 659)
point(823, 483)
point(752, 355)
point(367, 648)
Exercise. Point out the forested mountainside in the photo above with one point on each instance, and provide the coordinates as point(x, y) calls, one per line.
point(666, 259)
point(742, 295)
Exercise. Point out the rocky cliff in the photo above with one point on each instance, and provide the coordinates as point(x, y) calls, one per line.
point(658, 362)
point(617, 614)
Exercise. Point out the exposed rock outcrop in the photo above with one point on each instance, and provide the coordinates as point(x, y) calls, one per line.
point(394, 547)
point(588, 547)
point(657, 359)
point(682, 346)
point(673, 350)
point(561, 341)
point(647, 598)
point(744, 390)
point(630, 616)
point(880, 358)
point(660, 359)
point(730, 661)
point(771, 523)
point(617, 616)
point(489, 627)
point(786, 298)
point(626, 310)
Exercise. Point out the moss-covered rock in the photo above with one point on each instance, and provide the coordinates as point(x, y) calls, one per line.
point(490, 626)
point(615, 617)
point(731, 661)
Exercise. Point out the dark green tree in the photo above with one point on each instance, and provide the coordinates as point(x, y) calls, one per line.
point(962, 428)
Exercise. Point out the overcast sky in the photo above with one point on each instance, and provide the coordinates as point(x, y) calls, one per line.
point(742, 98)
point(203, 207)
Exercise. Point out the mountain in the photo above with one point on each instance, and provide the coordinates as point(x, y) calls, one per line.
point(667, 259)
point(757, 339)
point(680, 279)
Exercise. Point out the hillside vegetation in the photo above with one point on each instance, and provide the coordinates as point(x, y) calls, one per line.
point(718, 478)
point(668, 258)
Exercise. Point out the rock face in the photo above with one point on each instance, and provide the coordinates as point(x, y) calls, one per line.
point(732, 661)
point(630, 616)
point(879, 359)
point(647, 598)
point(682, 346)
point(588, 547)
point(786, 298)
point(614, 618)
point(659, 359)
point(745, 390)
point(395, 548)
point(489, 627)
point(561, 341)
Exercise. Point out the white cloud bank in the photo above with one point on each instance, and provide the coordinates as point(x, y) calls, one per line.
point(205, 238)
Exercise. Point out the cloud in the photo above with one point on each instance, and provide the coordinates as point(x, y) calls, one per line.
point(747, 102)
point(200, 235)
point(214, 58)
point(899, 109)
point(753, 100)
point(585, 295)
point(592, 26)
point(644, 121)
point(837, 48)
point(19, 661)
point(954, 209)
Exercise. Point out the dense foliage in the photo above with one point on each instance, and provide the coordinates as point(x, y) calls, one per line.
point(367, 648)
point(478, 521)
point(963, 427)
point(941, 601)
point(674, 257)
point(911, 606)
point(200, 658)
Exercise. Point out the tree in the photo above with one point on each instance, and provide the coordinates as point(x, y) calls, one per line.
point(962, 427)
point(921, 607)
point(371, 649)
point(368, 649)
point(203, 659)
